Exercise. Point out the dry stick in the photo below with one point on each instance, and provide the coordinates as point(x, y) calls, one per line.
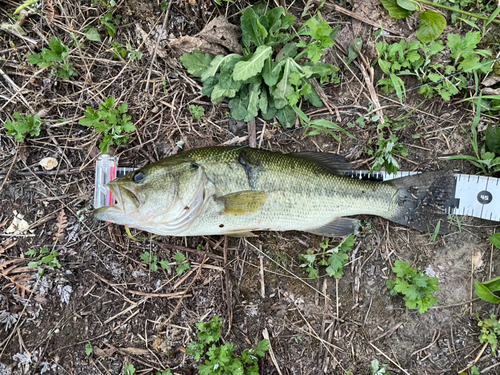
point(291, 273)
point(477, 358)
point(22, 88)
point(136, 292)
point(389, 358)
point(371, 89)
point(324, 98)
point(389, 332)
point(229, 293)
point(15, 88)
point(357, 16)
point(265, 333)
point(153, 58)
point(252, 135)
point(10, 169)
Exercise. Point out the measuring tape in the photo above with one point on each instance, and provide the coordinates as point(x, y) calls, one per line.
point(476, 196)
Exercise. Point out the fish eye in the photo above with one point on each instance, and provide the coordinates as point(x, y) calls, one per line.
point(138, 176)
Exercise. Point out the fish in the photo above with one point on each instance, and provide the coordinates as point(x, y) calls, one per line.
point(237, 191)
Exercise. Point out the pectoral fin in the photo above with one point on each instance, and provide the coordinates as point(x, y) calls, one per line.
point(243, 202)
point(340, 227)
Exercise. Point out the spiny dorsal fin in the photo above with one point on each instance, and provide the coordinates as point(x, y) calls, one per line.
point(333, 163)
point(340, 227)
point(243, 202)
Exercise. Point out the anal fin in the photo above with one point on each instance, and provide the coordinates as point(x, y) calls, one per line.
point(340, 227)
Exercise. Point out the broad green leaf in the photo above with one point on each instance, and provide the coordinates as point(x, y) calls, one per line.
point(395, 11)
point(246, 69)
point(273, 19)
point(48, 55)
point(239, 104)
point(34, 59)
point(217, 63)
point(270, 76)
point(431, 26)
point(92, 34)
point(485, 294)
point(252, 29)
point(408, 5)
point(313, 97)
point(286, 116)
point(57, 46)
point(219, 94)
point(399, 86)
point(209, 85)
point(288, 50)
point(253, 102)
point(196, 62)
point(283, 88)
point(493, 285)
point(495, 239)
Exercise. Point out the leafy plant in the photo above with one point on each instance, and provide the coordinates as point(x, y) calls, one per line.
point(111, 122)
point(164, 372)
point(378, 369)
point(431, 25)
point(57, 57)
point(415, 285)
point(23, 126)
point(490, 329)
point(44, 256)
point(335, 259)
point(89, 349)
point(110, 23)
point(272, 76)
point(485, 290)
point(153, 261)
point(486, 161)
point(121, 51)
point(182, 265)
point(197, 111)
point(386, 148)
point(129, 370)
point(221, 359)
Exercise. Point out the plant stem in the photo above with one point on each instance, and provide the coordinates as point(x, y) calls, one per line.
point(475, 15)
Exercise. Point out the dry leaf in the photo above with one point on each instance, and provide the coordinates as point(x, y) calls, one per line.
point(217, 36)
point(18, 225)
point(48, 163)
point(477, 261)
point(62, 221)
point(136, 351)
point(105, 352)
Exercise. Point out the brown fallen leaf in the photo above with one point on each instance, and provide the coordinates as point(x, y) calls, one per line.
point(217, 36)
point(105, 352)
point(62, 221)
point(136, 351)
point(477, 261)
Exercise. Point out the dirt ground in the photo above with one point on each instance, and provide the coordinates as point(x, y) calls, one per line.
point(103, 294)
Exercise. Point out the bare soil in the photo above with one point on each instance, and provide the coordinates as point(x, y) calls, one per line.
point(104, 295)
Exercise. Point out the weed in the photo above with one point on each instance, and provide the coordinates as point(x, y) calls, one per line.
point(222, 359)
point(490, 329)
point(129, 370)
point(435, 234)
point(44, 256)
point(120, 52)
point(486, 161)
point(182, 265)
point(268, 79)
point(335, 259)
point(164, 372)
point(386, 148)
point(378, 369)
point(89, 349)
point(111, 122)
point(164, 5)
point(485, 290)
point(153, 261)
point(415, 285)
point(23, 126)
point(57, 57)
point(197, 111)
point(110, 23)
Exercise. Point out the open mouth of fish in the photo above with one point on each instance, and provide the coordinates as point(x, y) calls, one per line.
point(126, 202)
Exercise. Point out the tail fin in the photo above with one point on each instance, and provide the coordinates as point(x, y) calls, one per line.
point(422, 200)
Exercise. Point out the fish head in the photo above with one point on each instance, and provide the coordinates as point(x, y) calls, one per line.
point(155, 197)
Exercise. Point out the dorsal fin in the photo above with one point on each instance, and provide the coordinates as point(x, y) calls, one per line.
point(333, 163)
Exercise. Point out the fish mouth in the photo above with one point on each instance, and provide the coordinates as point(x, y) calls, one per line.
point(126, 203)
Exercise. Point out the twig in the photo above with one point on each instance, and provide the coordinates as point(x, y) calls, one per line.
point(15, 88)
point(265, 333)
point(389, 358)
point(252, 135)
point(10, 169)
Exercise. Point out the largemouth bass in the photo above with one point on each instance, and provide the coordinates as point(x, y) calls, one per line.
point(236, 191)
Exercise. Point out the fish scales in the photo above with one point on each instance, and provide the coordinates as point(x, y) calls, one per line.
point(236, 191)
